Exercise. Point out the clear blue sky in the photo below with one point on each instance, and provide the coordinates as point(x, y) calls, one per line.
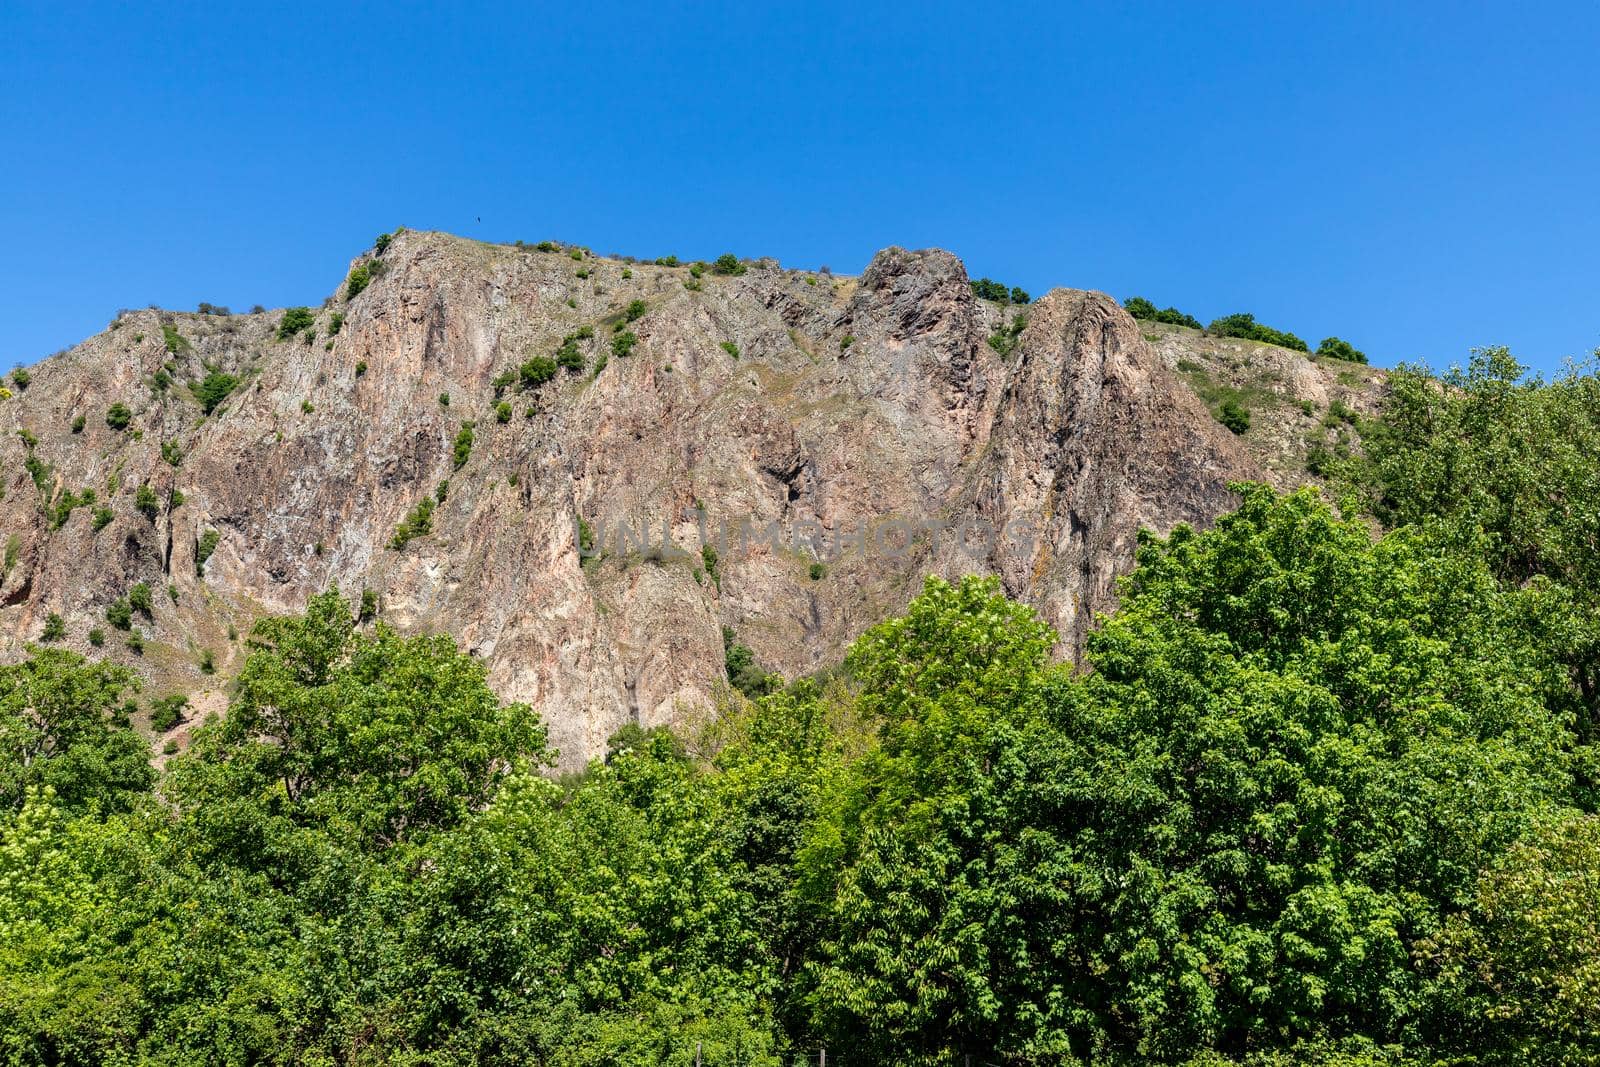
point(1416, 178)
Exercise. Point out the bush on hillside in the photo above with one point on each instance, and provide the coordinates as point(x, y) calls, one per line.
point(1244, 325)
point(1234, 415)
point(213, 389)
point(294, 321)
point(1140, 308)
point(360, 278)
point(1334, 348)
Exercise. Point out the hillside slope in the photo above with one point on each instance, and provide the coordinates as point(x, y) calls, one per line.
point(824, 404)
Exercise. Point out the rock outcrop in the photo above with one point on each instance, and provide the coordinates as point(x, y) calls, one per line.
point(871, 420)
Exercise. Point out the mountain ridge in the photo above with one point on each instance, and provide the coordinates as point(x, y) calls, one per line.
point(761, 395)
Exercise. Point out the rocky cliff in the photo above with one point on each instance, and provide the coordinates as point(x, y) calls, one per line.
point(890, 425)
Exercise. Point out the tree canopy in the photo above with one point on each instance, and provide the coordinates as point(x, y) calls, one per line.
point(1317, 794)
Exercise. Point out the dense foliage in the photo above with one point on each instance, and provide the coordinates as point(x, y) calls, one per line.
point(1234, 415)
point(1504, 466)
point(1245, 326)
point(213, 389)
point(63, 731)
point(1140, 308)
point(360, 277)
point(1318, 795)
point(989, 289)
point(1336, 348)
point(295, 320)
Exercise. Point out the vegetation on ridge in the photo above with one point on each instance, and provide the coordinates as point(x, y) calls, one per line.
point(1242, 325)
point(1140, 308)
point(989, 289)
point(1245, 325)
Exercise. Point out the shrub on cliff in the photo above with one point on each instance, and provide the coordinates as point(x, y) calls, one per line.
point(536, 371)
point(1234, 415)
point(213, 389)
point(294, 321)
point(55, 628)
point(360, 278)
point(204, 547)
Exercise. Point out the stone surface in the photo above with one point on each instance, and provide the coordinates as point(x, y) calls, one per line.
point(849, 402)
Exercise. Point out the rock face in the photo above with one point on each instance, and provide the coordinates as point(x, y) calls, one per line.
point(826, 406)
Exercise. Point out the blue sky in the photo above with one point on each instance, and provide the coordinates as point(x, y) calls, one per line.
point(1418, 179)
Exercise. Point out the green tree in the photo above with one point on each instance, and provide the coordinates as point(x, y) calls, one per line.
point(1234, 415)
point(1246, 326)
point(360, 278)
point(1140, 308)
point(383, 738)
point(1334, 348)
point(744, 673)
point(48, 904)
point(417, 523)
point(1294, 749)
point(214, 389)
point(989, 289)
point(536, 371)
point(294, 321)
point(144, 501)
point(1501, 465)
point(1520, 971)
point(569, 357)
point(167, 712)
point(1317, 737)
point(60, 726)
point(919, 961)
